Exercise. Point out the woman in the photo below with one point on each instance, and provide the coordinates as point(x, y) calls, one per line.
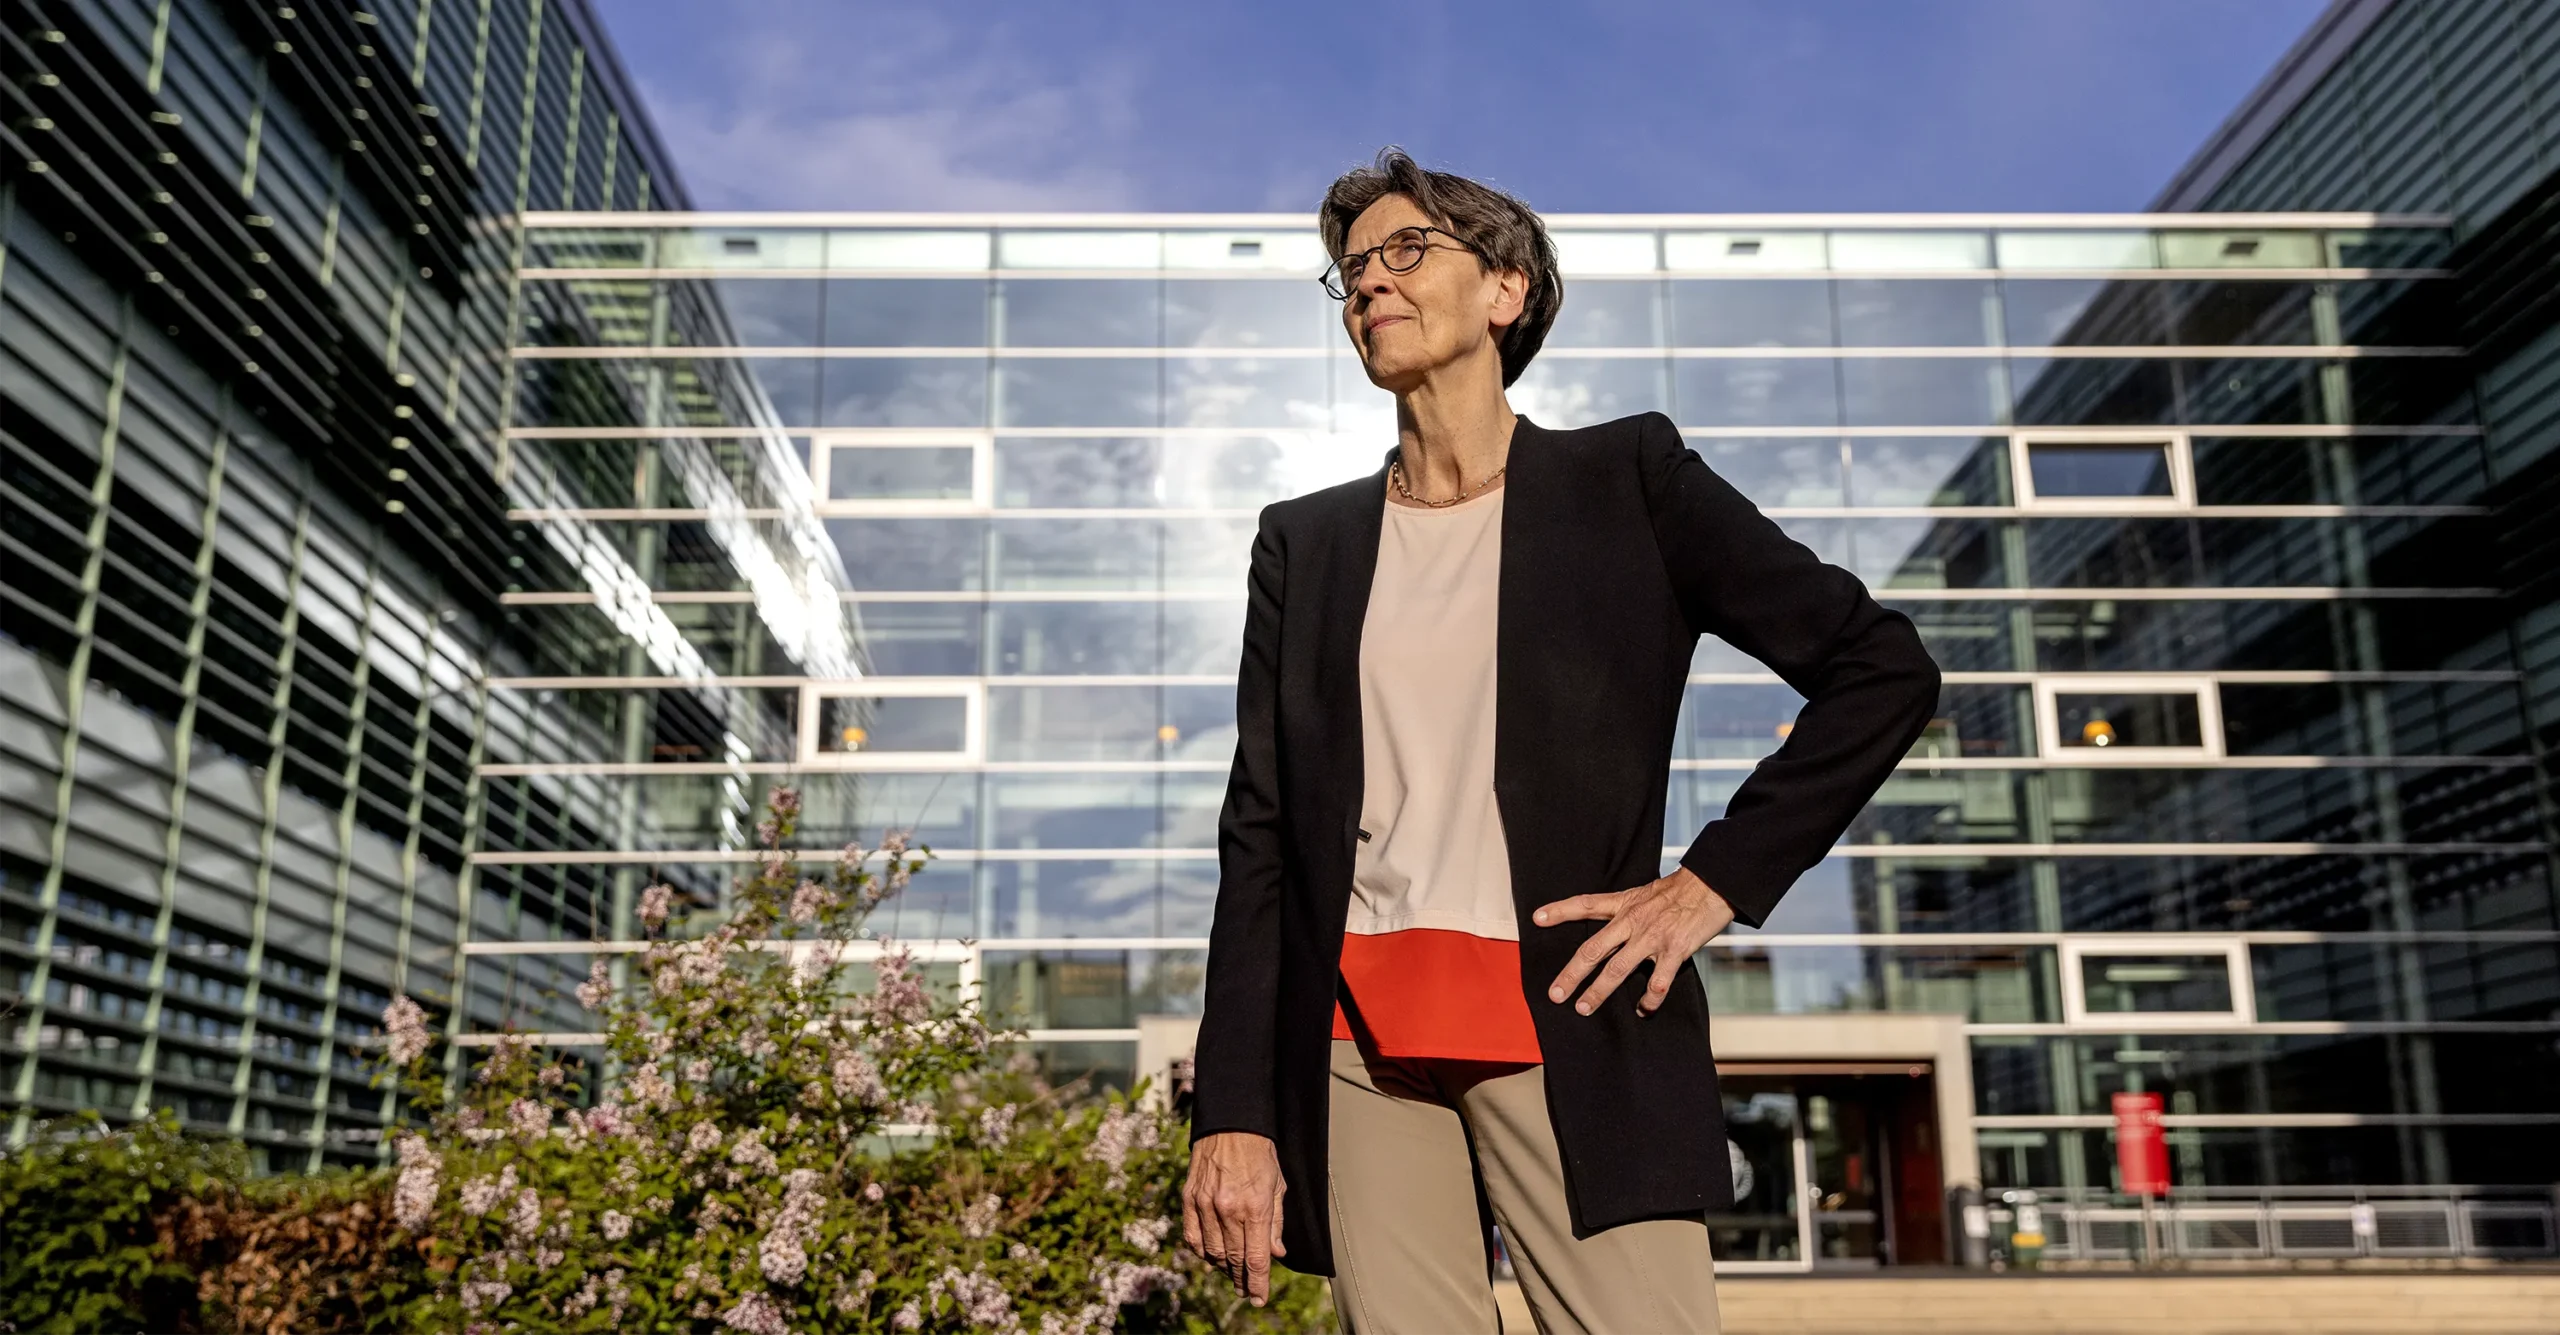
point(1443, 969)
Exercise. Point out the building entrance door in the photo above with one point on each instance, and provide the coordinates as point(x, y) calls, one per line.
point(1834, 1165)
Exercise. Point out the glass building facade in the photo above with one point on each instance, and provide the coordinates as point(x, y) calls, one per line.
point(415, 545)
point(2230, 798)
point(256, 276)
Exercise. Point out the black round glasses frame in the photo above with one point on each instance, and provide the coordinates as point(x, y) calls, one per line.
point(1339, 276)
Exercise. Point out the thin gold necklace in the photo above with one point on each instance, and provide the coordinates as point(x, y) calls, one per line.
point(1395, 474)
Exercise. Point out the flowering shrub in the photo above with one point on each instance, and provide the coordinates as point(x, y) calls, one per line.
point(740, 1168)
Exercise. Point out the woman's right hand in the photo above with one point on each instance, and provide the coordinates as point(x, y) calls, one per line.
point(1231, 1208)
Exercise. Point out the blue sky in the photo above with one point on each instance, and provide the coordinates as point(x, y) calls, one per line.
point(1599, 106)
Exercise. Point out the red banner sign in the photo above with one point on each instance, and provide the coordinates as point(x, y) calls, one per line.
point(2142, 1155)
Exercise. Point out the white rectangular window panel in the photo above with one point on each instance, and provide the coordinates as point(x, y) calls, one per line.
point(2103, 470)
point(2135, 983)
point(1289, 252)
point(2090, 719)
point(1607, 252)
point(1080, 250)
point(1714, 251)
point(909, 250)
point(2240, 250)
point(1910, 250)
point(890, 475)
point(741, 249)
point(2078, 250)
point(914, 723)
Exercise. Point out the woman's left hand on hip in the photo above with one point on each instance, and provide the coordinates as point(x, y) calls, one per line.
point(1665, 922)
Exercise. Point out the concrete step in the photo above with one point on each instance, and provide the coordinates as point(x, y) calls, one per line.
point(2474, 1303)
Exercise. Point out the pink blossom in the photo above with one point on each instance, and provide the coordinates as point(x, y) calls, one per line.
point(615, 1225)
point(908, 1317)
point(1088, 1320)
point(479, 1293)
point(900, 996)
point(980, 1218)
point(995, 1125)
point(1125, 1282)
point(551, 1077)
point(530, 1119)
point(784, 1252)
point(583, 1301)
point(756, 1314)
point(526, 1218)
point(871, 1192)
point(599, 984)
point(480, 1195)
point(981, 1296)
point(809, 900)
point(751, 1153)
point(893, 844)
point(413, 1198)
point(546, 1257)
point(768, 833)
point(784, 800)
point(654, 903)
point(1146, 1234)
point(856, 1079)
point(404, 1029)
point(850, 859)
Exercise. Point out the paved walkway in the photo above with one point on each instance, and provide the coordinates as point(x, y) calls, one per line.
point(2507, 1302)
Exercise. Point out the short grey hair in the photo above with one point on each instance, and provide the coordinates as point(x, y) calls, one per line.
point(1505, 232)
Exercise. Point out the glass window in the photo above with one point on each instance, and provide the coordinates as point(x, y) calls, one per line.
point(1577, 391)
point(1049, 639)
point(1750, 313)
point(1776, 472)
point(921, 639)
point(2093, 391)
point(1609, 315)
point(2156, 983)
point(1748, 392)
point(864, 471)
point(887, 554)
point(2228, 314)
point(1114, 554)
point(1921, 391)
point(1916, 313)
point(1927, 470)
point(908, 250)
point(1248, 313)
point(876, 724)
point(2102, 720)
point(1081, 313)
point(906, 313)
point(1245, 392)
point(2082, 312)
point(2279, 390)
point(1910, 250)
point(2240, 250)
point(2101, 468)
point(2078, 250)
point(1080, 250)
point(1036, 472)
point(741, 249)
point(1105, 392)
point(903, 391)
point(790, 384)
point(1745, 250)
point(770, 312)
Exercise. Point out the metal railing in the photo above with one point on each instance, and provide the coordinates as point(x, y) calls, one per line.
point(2283, 1224)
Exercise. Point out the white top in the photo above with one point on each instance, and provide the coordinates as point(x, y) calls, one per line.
point(1434, 856)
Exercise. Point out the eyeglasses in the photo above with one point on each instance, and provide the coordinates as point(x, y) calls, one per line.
point(1401, 252)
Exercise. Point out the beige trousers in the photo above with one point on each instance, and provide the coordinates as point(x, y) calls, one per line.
point(1411, 1140)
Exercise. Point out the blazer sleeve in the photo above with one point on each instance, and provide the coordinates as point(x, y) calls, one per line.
point(1869, 684)
point(1233, 1069)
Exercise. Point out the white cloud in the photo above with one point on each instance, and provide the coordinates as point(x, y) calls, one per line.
point(912, 113)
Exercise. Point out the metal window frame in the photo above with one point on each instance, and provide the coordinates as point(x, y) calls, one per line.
point(2234, 951)
point(2206, 689)
point(2182, 470)
point(982, 473)
point(970, 692)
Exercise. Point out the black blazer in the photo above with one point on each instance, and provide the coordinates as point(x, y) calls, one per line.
point(1619, 548)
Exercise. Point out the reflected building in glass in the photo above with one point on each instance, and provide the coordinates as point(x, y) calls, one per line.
point(257, 271)
point(2229, 798)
